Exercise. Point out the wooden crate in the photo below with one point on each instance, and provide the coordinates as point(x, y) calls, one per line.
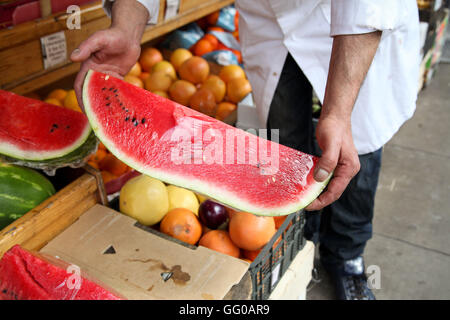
point(39, 226)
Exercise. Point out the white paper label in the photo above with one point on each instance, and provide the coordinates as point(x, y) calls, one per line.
point(171, 8)
point(54, 49)
point(275, 275)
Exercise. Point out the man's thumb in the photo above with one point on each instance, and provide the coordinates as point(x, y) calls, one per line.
point(327, 163)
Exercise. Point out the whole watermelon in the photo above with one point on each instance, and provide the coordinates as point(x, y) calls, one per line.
point(21, 189)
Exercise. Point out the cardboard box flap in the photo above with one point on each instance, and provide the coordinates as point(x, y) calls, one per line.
point(141, 265)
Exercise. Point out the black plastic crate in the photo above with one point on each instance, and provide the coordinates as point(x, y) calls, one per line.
point(276, 256)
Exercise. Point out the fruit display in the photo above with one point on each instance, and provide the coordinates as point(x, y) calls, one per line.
point(21, 189)
point(42, 135)
point(28, 276)
point(187, 79)
point(176, 212)
point(140, 131)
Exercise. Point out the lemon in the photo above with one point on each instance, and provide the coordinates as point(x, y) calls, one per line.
point(182, 198)
point(144, 199)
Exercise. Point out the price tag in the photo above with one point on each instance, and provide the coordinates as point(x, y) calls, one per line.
point(172, 7)
point(54, 49)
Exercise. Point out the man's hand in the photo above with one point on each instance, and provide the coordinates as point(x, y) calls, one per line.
point(115, 50)
point(350, 60)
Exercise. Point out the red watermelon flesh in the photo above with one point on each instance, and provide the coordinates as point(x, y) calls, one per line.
point(181, 146)
point(29, 276)
point(34, 130)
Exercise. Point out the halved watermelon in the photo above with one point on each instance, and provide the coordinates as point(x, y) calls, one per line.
point(25, 275)
point(181, 146)
point(37, 131)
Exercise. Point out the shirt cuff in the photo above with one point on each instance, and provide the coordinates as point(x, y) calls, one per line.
point(152, 7)
point(364, 16)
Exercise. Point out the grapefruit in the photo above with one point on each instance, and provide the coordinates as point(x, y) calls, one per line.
point(203, 101)
point(181, 91)
point(149, 57)
point(237, 89)
point(158, 81)
point(195, 70)
point(144, 199)
point(182, 198)
point(216, 85)
point(134, 80)
point(165, 67)
point(231, 71)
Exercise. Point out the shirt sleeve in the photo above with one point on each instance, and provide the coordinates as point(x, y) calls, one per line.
point(364, 16)
point(152, 7)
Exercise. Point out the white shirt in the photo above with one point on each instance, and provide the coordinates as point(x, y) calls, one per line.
point(269, 29)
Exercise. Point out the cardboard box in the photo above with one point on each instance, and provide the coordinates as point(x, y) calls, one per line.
point(140, 264)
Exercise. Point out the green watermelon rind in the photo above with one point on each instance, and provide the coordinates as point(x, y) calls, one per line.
point(76, 158)
point(11, 151)
point(21, 189)
point(196, 185)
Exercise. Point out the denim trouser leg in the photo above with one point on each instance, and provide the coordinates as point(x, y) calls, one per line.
point(346, 225)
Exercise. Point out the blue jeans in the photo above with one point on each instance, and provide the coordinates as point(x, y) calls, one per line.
point(344, 227)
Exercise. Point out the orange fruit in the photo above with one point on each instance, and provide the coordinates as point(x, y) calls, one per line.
point(220, 241)
point(181, 91)
point(250, 232)
point(182, 224)
point(224, 109)
point(101, 146)
point(216, 85)
point(179, 56)
point(162, 94)
point(251, 254)
point(166, 67)
point(107, 176)
point(202, 47)
point(212, 39)
point(58, 94)
point(54, 101)
point(98, 156)
point(113, 165)
point(195, 70)
point(133, 80)
point(231, 71)
point(144, 75)
point(219, 29)
point(203, 101)
point(93, 164)
point(212, 18)
point(135, 70)
point(279, 221)
point(158, 81)
point(149, 57)
point(71, 102)
point(237, 89)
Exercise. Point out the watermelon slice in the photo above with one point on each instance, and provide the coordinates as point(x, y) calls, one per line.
point(181, 146)
point(30, 276)
point(37, 131)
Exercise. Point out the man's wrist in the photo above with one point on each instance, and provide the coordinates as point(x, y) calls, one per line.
point(126, 11)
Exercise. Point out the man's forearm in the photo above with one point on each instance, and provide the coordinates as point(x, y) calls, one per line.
point(351, 58)
point(129, 16)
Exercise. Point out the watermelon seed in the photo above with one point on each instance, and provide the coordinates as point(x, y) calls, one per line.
point(110, 89)
point(55, 125)
point(115, 91)
point(127, 118)
point(143, 120)
point(67, 127)
point(108, 104)
point(51, 130)
point(134, 119)
point(107, 98)
point(103, 89)
point(135, 123)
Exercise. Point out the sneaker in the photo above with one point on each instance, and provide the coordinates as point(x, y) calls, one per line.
point(350, 280)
